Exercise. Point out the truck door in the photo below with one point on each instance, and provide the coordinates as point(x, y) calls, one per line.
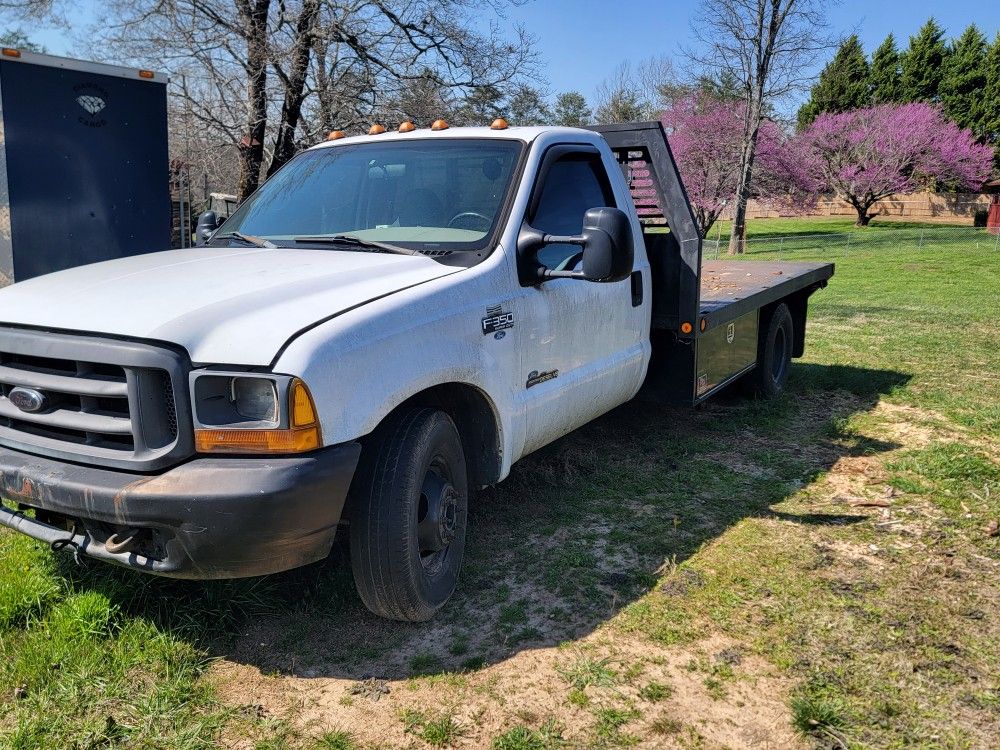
point(584, 344)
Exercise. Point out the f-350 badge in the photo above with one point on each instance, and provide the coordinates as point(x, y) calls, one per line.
point(497, 320)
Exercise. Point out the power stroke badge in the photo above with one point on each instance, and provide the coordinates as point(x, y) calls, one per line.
point(497, 321)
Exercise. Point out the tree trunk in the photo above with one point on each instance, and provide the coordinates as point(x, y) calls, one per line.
point(291, 108)
point(254, 18)
point(748, 152)
point(863, 207)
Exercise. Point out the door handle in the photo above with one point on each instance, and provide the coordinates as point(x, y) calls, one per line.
point(636, 288)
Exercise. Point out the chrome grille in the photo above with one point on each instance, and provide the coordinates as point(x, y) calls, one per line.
point(109, 402)
point(86, 402)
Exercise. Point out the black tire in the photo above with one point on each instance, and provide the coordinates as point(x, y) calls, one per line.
point(412, 496)
point(774, 354)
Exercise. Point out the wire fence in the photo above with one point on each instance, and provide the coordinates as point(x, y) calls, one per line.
point(883, 239)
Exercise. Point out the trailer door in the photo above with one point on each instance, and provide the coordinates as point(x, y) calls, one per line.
point(86, 164)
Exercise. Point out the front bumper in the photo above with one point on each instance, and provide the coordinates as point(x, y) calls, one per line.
point(207, 518)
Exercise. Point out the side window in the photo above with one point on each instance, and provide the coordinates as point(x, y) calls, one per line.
point(574, 184)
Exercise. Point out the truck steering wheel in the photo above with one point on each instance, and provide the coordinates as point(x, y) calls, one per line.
point(471, 214)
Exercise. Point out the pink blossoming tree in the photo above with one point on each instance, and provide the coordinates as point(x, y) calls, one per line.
point(705, 136)
point(869, 154)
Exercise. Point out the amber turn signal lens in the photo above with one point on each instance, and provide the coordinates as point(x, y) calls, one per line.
point(257, 441)
point(499, 124)
point(439, 125)
point(686, 327)
point(336, 135)
point(303, 413)
point(407, 127)
point(376, 129)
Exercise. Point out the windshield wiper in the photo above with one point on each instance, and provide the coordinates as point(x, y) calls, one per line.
point(248, 238)
point(346, 239)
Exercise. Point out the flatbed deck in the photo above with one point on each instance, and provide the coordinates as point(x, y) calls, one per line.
point(730, 288)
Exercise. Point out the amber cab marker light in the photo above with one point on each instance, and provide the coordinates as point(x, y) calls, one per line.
point(11, 52)
point(147, 74)
point(686, 327)
point(336, 135)
point(439, 125)
point(499, 124)
point(376, 129)
point(407, 127)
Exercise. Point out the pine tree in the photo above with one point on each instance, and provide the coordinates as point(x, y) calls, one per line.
point(571, 110)
point(989, 123)
point(964, 81)
point(884, 79)
point(842, 85)
point(527, 106)
point(923, 64)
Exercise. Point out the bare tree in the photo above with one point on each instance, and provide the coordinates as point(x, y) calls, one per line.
point(622, 97)
point(638, 93)
point(272, 75)
point(766, 47)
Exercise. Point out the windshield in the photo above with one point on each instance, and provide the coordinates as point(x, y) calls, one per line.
point(424, 195)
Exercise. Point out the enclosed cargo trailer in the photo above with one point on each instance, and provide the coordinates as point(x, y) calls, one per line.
point(83, 163)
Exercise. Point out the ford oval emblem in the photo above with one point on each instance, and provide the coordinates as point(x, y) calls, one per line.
point(27, 399)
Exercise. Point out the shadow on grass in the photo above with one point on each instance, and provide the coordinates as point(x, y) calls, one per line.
point(577, 531)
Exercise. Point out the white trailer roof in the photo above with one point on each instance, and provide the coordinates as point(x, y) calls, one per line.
point(53, 61)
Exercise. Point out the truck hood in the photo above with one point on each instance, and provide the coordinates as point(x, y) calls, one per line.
point(233, 306)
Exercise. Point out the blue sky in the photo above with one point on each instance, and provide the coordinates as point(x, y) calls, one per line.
point(582, 41)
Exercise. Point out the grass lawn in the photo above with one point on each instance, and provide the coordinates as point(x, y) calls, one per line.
point(818, 571)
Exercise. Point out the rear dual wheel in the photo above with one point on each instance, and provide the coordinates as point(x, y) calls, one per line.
point(774, 354)
point(408, 517)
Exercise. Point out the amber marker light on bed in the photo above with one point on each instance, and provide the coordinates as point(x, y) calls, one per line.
point(11, 52)
point(686, 327)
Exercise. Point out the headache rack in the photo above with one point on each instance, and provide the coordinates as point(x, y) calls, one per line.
point(669, 226)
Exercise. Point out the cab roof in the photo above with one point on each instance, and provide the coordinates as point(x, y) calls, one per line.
point(525, 134)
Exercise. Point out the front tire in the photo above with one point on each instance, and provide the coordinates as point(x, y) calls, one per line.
point(774, 354)
point(409, 514)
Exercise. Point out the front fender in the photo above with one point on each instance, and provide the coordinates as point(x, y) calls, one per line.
point(362, 365)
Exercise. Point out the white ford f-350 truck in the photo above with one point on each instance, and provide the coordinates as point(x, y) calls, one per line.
point(389, 322)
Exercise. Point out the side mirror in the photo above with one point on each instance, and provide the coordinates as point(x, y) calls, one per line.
point(208, 222)
point(606, 240)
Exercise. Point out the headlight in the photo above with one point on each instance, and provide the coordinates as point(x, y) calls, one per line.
point(255, 398)
point(249, 413)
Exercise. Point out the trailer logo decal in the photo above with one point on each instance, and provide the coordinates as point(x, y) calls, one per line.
point(497, 320)
point(93, 100)
point(92, 104)
point(535, 377)
point(730, 333)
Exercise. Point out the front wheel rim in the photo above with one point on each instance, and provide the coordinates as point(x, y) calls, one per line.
point(438, 517)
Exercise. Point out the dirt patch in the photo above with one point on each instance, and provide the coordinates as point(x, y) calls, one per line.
point(528, 688)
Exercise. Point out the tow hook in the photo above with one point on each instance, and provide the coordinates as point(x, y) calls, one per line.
point(122, 541)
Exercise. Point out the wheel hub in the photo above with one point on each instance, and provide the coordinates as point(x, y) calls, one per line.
point(437, 523)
